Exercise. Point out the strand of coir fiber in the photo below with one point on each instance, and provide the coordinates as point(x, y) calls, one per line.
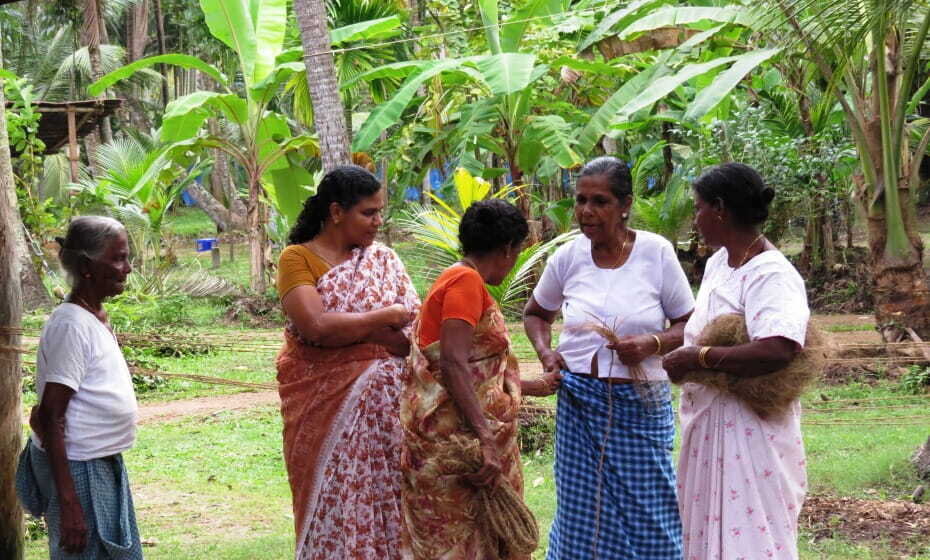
point(508, 528)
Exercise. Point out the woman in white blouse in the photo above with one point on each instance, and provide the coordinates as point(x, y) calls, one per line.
point(614, 425)
point(743, 478)
point(71, 470)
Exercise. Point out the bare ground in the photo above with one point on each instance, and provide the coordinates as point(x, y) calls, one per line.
point(171, 410)
point(903, 526)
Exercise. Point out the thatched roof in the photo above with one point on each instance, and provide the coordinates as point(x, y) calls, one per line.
point(53, 126)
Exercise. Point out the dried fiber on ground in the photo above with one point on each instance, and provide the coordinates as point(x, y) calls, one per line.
point(770, 394)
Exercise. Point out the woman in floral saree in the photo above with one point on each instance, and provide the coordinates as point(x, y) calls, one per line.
point(464, 385)
point(348, 301)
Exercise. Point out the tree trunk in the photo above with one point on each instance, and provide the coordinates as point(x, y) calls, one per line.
point(34, 293)
point(328, 114)
point(137, 31)
point(899, 285)
point(162, 68)
point(256, 238)
point(11, 516)
point(221, 216)
point(91, 33)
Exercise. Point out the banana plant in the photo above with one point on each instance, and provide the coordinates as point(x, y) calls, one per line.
point(436, 229)
point(500, 118)
point(711, 73)
point(266, 149)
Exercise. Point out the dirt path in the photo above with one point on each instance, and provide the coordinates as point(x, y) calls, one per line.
point(171, 410)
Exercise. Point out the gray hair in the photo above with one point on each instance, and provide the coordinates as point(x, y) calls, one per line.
point(87, 237)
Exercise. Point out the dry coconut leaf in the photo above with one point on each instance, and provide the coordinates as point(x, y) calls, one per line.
point(770, 394)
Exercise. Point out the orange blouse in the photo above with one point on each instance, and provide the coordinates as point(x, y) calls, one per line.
point(299, 266)
point(458, 293)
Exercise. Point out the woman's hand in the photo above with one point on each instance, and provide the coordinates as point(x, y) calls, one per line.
point(394, 340)
point(543, 386)
point(491, 468)
point(680, 362)
point(397, 316)
point(73, 529)
point(552, 361)
point(631, 350)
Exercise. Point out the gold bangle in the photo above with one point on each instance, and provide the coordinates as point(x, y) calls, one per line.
point(658, 345)
point(702, 357)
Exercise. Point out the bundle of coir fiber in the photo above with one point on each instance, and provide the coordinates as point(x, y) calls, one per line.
point(770, 394)
point(508, 528)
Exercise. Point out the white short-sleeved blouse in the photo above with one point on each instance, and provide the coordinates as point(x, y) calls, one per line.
point(80, 352)
point(636, 298)
point(767, 290)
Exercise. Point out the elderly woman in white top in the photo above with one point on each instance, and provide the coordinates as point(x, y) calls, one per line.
point(72, 470)
point(614, 476)
point(743, 477)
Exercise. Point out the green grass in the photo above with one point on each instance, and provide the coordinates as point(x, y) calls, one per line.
point(190, 222)
point(849, 328)
point(216, 487)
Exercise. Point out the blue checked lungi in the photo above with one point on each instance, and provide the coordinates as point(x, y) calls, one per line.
point(638, 504)
point(102, 487)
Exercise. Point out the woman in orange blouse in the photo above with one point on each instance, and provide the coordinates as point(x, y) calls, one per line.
point(464, 384)
point(348, 301)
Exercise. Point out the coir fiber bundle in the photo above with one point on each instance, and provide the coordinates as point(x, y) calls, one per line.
point(770, 394)
point(508, 528)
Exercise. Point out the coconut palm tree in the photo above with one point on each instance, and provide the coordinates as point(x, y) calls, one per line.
point(871, 51)
point(329, 117)
point(11, 310)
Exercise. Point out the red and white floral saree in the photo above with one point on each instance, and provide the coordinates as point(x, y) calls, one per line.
point(342, 434)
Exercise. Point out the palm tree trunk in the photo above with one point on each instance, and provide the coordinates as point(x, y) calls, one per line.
point(328, 114)
point(91, 34)
point(11, 516)
point(163, 69)
point(137, 30)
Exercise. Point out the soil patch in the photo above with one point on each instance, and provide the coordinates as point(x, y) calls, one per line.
point(846, 288)
point(171, 410)
point(260, 312)
point(904, 526)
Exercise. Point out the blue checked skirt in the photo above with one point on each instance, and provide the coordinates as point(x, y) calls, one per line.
point(102, 487)
point(638, 505)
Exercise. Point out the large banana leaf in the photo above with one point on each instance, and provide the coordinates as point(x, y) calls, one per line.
point(366, 30)
point(724, 83)
point(621, 18)
point(491, 22)
point(272, 132)
point(513, 29)
point(270, 17)
point(280, 75)
point(395, 70)
point(556, 136)
point(678, 16)
point(506, 72)
point(182, 60)
point(290, 187)
point(602, 118)
point(661, 87)
point(231, 22)
point(185, 115)
point(388, 113)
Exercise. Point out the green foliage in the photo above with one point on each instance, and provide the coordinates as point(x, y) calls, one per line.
point(436, 228)
point(916, 381)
